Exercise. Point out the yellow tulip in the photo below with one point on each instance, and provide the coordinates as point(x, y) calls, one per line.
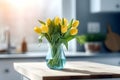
point(65, 21)
point(37, 30)
point(75, 24)
point(64, 29)
point(44, 29)
point(48, 22)
point(57, 20)
point(73, 31)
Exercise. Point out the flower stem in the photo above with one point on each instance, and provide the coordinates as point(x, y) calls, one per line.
point(56, 60)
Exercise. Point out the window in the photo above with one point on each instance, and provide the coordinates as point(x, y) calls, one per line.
point(20, 16)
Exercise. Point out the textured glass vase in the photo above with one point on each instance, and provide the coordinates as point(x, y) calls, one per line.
point(55, 58)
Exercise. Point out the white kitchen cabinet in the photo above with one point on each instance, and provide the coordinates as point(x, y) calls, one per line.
point(104, 6)
point(7, 71)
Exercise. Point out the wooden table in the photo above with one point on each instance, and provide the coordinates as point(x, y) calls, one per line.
point(72, 70)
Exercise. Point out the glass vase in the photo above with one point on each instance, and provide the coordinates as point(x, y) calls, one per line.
point(55, 58)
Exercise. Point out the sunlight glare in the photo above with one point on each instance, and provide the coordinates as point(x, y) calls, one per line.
point(18, 3)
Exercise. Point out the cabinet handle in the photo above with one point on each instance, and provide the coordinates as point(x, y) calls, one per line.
point(6, 70)
point(117, 6)
point(119, 63)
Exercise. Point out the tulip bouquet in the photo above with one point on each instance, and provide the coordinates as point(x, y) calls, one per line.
point(57, 31)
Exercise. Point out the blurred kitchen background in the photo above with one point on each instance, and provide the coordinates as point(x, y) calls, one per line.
point(19, 17)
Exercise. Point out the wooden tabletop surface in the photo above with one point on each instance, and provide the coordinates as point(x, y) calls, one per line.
point(72, 70)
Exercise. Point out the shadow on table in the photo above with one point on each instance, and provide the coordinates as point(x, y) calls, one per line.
point(82, 71)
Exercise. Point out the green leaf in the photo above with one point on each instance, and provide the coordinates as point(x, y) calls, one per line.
point(62, 21)
point(51, 28)
point(69, 38)
point(81, 39)
point(41, 22)
point(70, 25)
point(65, 43)
point(90, 38)
point(47, 37)
point(95, 37)
point(40, 39)
point(55, 37)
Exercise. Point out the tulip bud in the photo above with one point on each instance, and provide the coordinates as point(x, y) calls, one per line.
point(73, 31)
point(44, 29)
point(64, 29)
point(37, 30)
point(57, 20)
point(75, 24)
point(48, 22)
point(65, 21)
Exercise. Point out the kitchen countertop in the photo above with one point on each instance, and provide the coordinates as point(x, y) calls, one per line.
point(68, 55)
point(72, 70)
